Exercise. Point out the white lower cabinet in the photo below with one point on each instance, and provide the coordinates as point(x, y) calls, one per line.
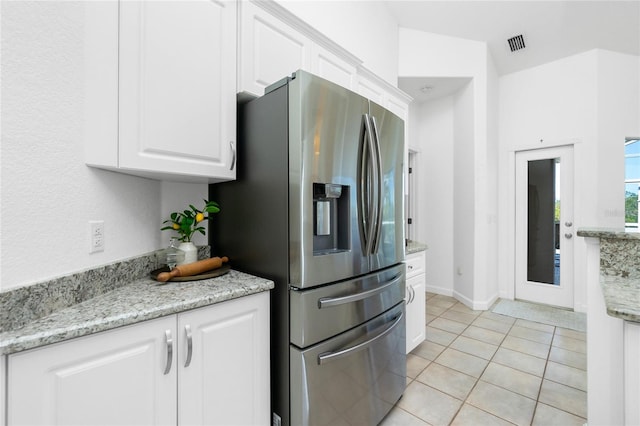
point(134, 375)
point(415, 300)
point(226, 382)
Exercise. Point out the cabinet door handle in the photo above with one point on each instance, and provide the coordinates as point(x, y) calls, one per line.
point(169, 343)
point(187, 331)
point(233, 153)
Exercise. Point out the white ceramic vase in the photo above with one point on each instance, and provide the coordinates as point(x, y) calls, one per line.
point(190, 252)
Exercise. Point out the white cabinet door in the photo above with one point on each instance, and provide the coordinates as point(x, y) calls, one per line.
point(370, 90)
point(331, 67)
point(160, 88)
point(177, 80)
point(112, 378)
point(226, 381)
point(416, 301)
point(270, 49)
point(415, 311)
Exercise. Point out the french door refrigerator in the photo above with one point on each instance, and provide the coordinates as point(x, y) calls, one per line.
point(317, 207)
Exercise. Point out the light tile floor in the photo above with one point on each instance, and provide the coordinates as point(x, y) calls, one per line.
point(480, 368)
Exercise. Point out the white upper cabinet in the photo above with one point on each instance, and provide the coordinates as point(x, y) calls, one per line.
point(274, 44)
point(174, 73)
point(270, 49)
point(330, 66)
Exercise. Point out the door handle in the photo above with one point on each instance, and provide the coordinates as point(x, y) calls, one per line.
point(568, 235)
point(169, 343)
point(331, 356)
point(187, 332)
point(568, 224)
point(233, 155)
point(326, 302)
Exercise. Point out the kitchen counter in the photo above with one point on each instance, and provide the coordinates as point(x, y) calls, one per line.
point(130, 302)
point(414, 247)
point(619, 270)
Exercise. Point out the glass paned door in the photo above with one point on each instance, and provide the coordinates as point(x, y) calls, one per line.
point(544, 226)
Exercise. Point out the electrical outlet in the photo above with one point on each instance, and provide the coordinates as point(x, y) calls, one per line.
point(96, 233)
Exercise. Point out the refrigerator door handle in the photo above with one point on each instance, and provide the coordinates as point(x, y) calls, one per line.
point(327, 302)
point(377, 167)
point(364, 186)
point(370, 178)
point(331, 356)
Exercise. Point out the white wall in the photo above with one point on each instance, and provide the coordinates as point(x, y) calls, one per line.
point(434, 131)
point(364, 28)
point(432, 55)
point(492, 224)
point(48, 195)
point(464, 196)
point(617, 118)
point(589, 99)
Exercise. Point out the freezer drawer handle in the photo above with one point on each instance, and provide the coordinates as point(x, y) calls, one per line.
point(332, 356)
point(327, 302)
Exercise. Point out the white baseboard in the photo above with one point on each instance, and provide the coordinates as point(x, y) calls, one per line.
point(439, 290)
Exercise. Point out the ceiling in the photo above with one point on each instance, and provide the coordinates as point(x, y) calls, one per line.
point(551, 29)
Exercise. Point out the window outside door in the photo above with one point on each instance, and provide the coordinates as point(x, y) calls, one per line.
point(544, 226)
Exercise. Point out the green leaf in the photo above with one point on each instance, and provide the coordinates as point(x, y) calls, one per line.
point(174, 216)
point(201, 231)
point(166, 227)
point(212, 209)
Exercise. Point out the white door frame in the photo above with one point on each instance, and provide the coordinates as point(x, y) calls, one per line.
point(558, 295)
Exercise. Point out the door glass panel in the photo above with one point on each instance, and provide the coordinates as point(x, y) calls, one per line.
point(543, 221)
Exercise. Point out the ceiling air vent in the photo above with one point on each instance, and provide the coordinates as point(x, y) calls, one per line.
point(516, 43)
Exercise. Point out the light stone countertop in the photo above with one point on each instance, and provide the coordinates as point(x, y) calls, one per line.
point(414, 247)
point(106, 297)
point(141, 300)
point(619, 270)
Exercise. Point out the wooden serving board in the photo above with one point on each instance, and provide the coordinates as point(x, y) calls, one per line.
point(203, 276)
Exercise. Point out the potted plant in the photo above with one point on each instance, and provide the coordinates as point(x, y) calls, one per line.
point(188, 222)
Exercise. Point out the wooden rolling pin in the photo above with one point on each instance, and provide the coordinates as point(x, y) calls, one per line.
point(194, 268)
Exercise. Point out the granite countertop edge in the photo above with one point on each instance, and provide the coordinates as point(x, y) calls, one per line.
point(142, 300)
point(622, 297)
point(612, 233)
point(414, 247)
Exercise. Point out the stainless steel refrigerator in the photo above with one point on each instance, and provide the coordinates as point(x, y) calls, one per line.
point(317, 207)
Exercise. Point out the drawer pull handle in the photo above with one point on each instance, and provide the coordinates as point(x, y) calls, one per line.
point(187, 332)
point(169, 343)
point(331, 356)
point(327, 302)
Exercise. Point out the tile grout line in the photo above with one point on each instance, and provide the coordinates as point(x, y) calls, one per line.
point(554, 333)
point(477, 379)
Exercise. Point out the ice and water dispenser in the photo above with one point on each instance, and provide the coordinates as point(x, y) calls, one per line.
point(330, 218)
